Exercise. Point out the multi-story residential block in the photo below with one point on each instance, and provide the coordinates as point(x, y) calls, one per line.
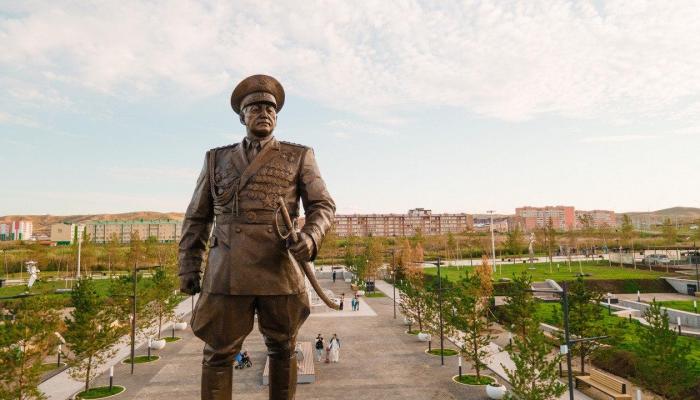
point(562, 217)
point(501, 223)
point(16, 230)
point(65, 233)
point(400, 225)
point(163, 230)
point(598, 218)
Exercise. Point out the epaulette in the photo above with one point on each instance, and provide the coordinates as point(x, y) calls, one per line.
point(294, 144)
point(225, 147)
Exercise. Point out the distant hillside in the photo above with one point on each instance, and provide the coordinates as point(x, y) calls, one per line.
point(682, 214)
point(42, 223)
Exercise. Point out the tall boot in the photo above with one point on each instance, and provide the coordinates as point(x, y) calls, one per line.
point(283, 378)
point(217, 382)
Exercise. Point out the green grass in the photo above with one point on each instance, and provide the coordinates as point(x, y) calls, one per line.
point(413, 332)
point(541, 271)
point(445, 352)
point(99, 392)
point(375, 294)
point(141, 359)
point(471, 380)
point(170, 339)
point(48, 367)
point(550, 313)
point(683, 305)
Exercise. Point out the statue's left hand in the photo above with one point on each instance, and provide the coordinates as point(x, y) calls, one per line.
point(303, 249)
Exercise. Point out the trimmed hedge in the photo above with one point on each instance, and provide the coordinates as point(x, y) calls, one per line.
point(616, 361)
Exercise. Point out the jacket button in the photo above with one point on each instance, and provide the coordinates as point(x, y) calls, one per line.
point(269, 230)
point(238, 230)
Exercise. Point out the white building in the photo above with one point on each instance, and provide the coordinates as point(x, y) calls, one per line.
point(65, 233)
point(16, 230)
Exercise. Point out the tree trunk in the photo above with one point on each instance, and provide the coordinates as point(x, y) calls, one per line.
point(583, 365)
point(476, 359)
point(87, 375)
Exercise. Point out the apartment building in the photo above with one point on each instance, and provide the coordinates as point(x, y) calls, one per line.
point(163, 230)
point(400, 225)
point(563, 217)
point(64, 233)
point(598, 218)
point(16, 230)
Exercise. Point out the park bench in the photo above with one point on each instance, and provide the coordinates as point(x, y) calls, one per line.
point(613, 387)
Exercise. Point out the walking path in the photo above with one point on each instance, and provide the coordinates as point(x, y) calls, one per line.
point(377, 361)
point(497, 359)
point(61, 386)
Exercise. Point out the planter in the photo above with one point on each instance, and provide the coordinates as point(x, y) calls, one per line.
point(348, 280)
point(424, 337)
point(180, 326)
point(495, 391)
point(157, 344)
point(472, 382)
point(353, 287)
point(407, 321)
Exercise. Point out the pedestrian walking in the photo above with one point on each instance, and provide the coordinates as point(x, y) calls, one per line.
point(357, 303)
point(341, 304)
point(334, 348)
point(333, 276)
point(353, 303)
point(319, 347)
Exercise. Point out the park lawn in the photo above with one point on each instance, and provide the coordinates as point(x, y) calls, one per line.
point(627, 331)
point(559, 271)
point(683, 305)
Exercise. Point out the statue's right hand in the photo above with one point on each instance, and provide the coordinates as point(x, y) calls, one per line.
point(189, 283)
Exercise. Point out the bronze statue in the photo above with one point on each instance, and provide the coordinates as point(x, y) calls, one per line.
point(248, 268)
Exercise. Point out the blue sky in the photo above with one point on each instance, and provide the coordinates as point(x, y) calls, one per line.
point(453, 106)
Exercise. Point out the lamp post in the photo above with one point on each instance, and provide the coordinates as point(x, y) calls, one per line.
point(393, 278)
point(442, 340)
point(493, 242)
point(568, 342)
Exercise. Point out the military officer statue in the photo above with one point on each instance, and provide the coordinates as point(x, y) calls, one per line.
point(248, 267)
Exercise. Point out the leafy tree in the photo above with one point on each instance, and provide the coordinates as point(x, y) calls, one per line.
point(450, 246)
point(91, 331)
point(25, 340)
point(484, 272)
point(471, 318)
point(585, 319)
point(663, 359)
point(418, 254)
point(164, 296)
point(414, 299)
point(514, 241)
point(535, 376)
point(374, 254)
point(112, 247)
point(669, 231)
point(520, 305)
point(626, 229)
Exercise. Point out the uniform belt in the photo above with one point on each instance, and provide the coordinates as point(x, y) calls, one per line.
point(264, 217)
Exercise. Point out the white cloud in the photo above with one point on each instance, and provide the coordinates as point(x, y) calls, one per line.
point(345, 128)
point(6, 118)
point(508, 60)
point(616, 138)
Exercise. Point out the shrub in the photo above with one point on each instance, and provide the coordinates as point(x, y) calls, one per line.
point(616, 361)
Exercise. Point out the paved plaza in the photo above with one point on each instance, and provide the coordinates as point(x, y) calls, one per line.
point(377, 361)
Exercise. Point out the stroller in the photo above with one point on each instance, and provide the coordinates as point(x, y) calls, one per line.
point(242, 360)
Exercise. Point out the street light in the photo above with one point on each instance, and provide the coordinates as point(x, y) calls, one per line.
point(442, 340)
point(568, 342)
point(493, 242)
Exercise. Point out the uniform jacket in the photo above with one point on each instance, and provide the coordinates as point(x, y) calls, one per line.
point(246, 255)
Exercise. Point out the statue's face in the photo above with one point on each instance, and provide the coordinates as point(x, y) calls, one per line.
point(260, 119)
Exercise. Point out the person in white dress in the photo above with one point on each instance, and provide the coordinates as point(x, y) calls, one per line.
point(334, 347)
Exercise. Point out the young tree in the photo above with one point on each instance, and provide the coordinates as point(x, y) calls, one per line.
point(414, 302)
point(164, 296)
point(535, 376)
point(520, 305)
point(514, 241)
point(25, 340)
point(471, 318)
point(484, 274)
point(374, 254)
point(91, 331)
point(669, 231)
point(585, 319)
point(418, 254)
point(663, 359)
point(112, 248)
point(626, 229)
